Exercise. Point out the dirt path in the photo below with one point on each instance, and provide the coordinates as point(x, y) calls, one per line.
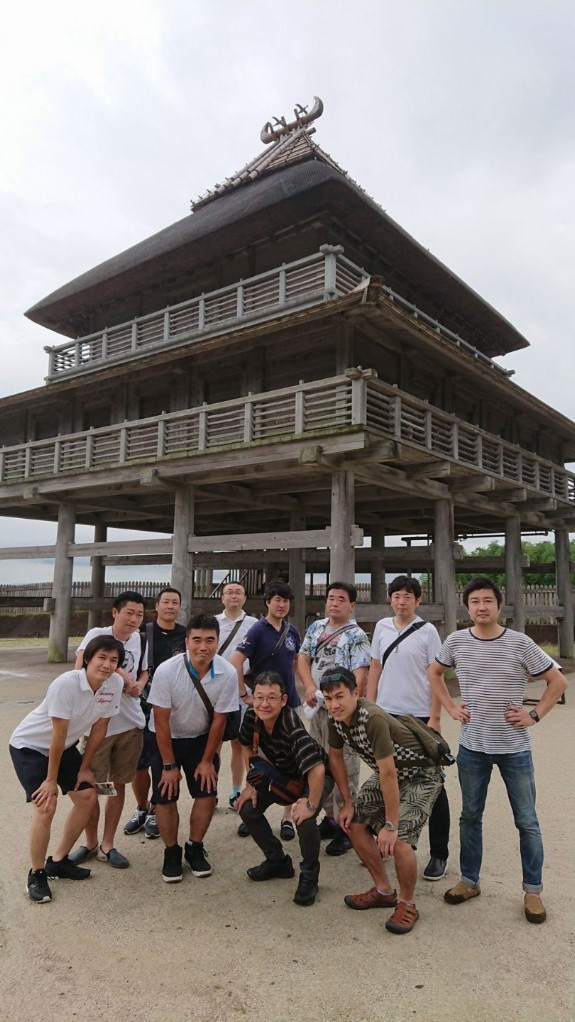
point(125, 946)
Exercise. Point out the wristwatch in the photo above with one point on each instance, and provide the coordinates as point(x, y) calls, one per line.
point(389, 826)
point(310, 806)
point(170, 766)
point(535, 715)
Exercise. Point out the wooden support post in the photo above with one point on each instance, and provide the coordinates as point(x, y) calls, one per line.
point(378, 586)
point(513, 578)
point(342, 557)
point(98, 576)
point(182, 560)
point(444, 564)
point(297, 576)
point(62, 587)
point(343, 348)
point(564, 593)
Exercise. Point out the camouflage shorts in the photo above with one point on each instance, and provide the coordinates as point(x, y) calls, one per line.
point(416, 800)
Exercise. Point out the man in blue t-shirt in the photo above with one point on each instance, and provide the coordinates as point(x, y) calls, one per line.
point(272, 644)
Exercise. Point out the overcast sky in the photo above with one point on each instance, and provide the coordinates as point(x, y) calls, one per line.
point(457, 116)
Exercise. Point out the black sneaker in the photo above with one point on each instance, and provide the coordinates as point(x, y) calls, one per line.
point(37, 886)
point(307, 890)
point(328, 829)
point(195, 857)
point(172, 869)
point(340, 844)
point(136, 822)
point(436, 869)
point(232, 800)
point(151, 829)
point(282, 870)
point(242, 830)
point(65, 870)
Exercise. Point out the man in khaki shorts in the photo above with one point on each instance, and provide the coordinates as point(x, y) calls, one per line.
point(118, 756)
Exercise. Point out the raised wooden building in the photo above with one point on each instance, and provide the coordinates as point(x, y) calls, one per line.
point(269, 380)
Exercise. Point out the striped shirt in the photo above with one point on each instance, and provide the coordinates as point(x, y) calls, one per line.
point(492, 675)
point(289, 747)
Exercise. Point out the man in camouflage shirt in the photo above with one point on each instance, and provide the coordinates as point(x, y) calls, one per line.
point(395, 801)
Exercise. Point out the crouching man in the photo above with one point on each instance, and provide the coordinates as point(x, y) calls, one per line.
point(394, 803)
point(285, 765)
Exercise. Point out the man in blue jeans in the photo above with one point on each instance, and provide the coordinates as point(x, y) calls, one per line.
point(493, 665)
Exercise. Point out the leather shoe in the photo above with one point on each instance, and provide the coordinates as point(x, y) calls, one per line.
point(307, 890)
point(267, 870)
point(460, 893)
point(242, 830)
point(371, 899)
point(328, 829)
point(534, 908)
point(340, 844)
point(436, 868)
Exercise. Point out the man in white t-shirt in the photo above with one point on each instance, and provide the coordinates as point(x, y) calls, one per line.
point(188, 737)
point(402, 649)
point(234, 626)
point(44, 751)
point(118, 757)
point(493, 666)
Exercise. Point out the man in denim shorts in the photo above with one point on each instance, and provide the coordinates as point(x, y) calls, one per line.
point(394, 803)
point(188, 737)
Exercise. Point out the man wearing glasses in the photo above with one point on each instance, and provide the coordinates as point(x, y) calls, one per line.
point(279, 752)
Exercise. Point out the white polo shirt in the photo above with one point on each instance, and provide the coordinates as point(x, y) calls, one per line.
point(403, 685)
point(69, 697)
point(173, 689)
point(131, 714)
point(226, 625)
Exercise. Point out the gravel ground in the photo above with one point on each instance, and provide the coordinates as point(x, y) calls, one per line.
point(125, 946)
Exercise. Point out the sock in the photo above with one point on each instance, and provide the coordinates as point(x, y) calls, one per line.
point(236, 790)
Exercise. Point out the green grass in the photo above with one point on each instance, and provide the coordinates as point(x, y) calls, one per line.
point(21, 643)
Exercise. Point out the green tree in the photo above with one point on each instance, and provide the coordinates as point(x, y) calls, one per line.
point(542, 552)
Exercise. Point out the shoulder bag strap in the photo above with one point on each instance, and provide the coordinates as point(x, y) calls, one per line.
point(331, 637)
point(200, 688)
point(150, 635)
point(233, 632)
point(400, 638)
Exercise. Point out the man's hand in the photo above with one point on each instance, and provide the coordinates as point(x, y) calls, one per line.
point(518, 717)
point(435, 723)
point(44, 798)
point(85, 776)
point(249, 794)
point(170, 782)
point(386, 841)
point(205, 773)
point(346, 814)
point(310, 696)
point(300, 812)
point(460, 713)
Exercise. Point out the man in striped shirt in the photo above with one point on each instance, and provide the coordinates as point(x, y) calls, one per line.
point(493, 665)
point(274, 729)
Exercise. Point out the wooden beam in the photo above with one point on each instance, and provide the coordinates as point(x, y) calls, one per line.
point(429, 469)
point(26, 552)
point(269, 540)
point(476, 483)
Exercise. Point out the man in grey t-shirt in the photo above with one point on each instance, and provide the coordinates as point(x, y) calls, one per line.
point(493, 665)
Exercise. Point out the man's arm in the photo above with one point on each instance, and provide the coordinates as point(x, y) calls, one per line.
point(93, 743)
point(237, 660)
point(439, 688)
point(386, 839)
point(205, 771)
point(361, 679)
point(170, 779)
point(339, 773)
point(45, 796)
point(373, 676)
point(519, 716)
point(303, 665)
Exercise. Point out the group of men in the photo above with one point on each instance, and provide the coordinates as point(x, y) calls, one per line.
point(158, 699)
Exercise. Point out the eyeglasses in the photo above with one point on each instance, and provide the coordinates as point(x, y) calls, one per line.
point(267, 699)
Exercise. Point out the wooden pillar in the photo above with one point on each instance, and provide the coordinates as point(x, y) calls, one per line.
point(342, 555)
point(513, 578)
point(344, 348)
point(444, 564)
point(62, 587)
point(98, 576)
point(297, 576)
point(564, 592)
point(377, 569)
point(182, 560)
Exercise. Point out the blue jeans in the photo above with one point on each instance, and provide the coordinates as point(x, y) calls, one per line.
point(516, 770)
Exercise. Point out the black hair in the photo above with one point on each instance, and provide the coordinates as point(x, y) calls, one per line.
point(269, 678)
point(102, 642)
point(338, 676)
point(233, 582)
point(278, 588)
point(168, 589)
point(411, 585)
point(128, 597)
point(347, 587)
point(203, 622)
point(481, 582)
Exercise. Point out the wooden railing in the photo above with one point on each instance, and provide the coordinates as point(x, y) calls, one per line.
point(321, 408)
point(310, 281)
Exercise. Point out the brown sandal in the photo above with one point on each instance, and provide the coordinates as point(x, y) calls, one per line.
point(403, 919)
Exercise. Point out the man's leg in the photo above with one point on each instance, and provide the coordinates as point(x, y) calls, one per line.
point(517, 772)
point(439, 826)
point(368, 851)
point(40, 835)
point(474, 769)
point(309, 843)
point(82, 810)
point(200, 818)
point(237, 765)
point(112, 814)
point(259, 828)
point(168, 819)
point(141, 787)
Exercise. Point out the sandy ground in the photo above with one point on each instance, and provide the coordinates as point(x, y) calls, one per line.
point(126, 946)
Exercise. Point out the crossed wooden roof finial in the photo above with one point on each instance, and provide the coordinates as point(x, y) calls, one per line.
point(271, 132)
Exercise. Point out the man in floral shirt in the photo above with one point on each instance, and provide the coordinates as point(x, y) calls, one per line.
point(334, 641)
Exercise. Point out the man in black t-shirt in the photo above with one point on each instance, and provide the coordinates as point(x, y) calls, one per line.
point(165, 639)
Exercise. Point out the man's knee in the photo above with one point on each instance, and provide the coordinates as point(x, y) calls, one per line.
point(86, 799)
